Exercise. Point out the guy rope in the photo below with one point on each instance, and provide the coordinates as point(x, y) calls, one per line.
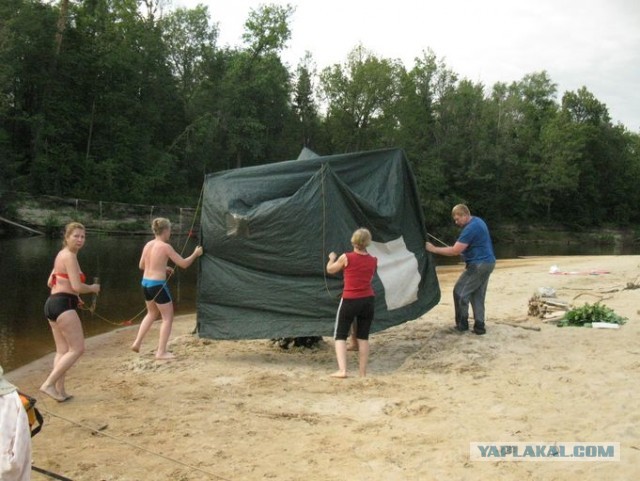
point(170, 272)
point(100, 432)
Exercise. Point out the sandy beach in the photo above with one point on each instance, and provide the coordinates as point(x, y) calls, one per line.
point(248, 410)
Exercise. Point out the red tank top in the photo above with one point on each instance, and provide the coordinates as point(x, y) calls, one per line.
point(358, 276)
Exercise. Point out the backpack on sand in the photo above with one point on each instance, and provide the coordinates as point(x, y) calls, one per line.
point(33, 414)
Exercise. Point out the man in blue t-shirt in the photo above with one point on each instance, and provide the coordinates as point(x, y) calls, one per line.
point(475, 247)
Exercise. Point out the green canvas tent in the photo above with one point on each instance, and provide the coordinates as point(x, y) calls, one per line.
point(267, 231)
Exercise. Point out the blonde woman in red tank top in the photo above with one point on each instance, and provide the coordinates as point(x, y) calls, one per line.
point(358, 300)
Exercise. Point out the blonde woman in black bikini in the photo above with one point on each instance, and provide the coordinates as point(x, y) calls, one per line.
point(66, 282)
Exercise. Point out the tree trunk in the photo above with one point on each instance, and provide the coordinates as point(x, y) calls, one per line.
point(62, 24)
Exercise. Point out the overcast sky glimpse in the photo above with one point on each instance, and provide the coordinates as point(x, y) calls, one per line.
point(591, 43)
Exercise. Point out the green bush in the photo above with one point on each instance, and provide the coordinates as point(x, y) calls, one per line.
point(131, 226)
point(52, 226)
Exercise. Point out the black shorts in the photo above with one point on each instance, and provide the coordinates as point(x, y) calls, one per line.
point(58, 303)
point(361, 310)
point(157, 294)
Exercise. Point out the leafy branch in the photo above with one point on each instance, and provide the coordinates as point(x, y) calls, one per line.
point(590, 313)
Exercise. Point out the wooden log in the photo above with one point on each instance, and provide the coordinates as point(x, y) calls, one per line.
point(28, 229)
point(556, 303)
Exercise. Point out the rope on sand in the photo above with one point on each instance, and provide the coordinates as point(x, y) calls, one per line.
point(521, 326)
point(100, 431)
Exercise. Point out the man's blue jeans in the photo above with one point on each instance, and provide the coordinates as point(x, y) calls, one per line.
point(471, 287)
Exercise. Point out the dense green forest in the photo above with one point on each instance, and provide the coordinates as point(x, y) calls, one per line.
point(118, 100)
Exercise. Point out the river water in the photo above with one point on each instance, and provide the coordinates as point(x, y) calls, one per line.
point(25, 264)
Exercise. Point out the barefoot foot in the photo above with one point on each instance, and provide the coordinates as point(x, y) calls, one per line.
point(135, 348)
point(167, 356)
point(339, 375)
point(52, 393)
